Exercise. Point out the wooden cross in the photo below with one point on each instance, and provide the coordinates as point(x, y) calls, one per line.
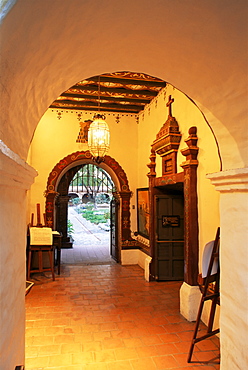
point(170, 101)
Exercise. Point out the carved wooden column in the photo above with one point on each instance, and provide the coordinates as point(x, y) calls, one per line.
point(191, 247)
point(151, 176)
point(50, 202)
point(62, 216)
point(125, 215)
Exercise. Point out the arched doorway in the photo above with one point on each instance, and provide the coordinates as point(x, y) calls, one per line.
point(57, 188)
point(87, 190)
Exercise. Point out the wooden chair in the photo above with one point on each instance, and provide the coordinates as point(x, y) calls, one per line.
point(41, 241)
point(209, 286)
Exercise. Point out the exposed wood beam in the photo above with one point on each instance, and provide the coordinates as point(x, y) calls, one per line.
point(85, 88)
point(116, 93)
point(128, 81)
point(94, 104)
point(110, 98)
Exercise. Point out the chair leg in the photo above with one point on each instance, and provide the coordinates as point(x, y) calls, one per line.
point(196, 330)
point(50, 253)
point(40, 258)
point(59, 258)
point(212, 314)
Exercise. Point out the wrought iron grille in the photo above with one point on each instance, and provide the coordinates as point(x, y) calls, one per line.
point(91, 179)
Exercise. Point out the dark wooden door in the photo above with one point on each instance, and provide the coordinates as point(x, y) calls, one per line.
point(114, 230)
point(169, 242)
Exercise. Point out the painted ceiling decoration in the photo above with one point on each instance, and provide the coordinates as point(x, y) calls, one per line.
point(123, 92)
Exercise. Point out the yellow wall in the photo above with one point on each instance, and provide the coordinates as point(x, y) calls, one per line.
point(130, 146)
point(55, 138)
point(187, 115)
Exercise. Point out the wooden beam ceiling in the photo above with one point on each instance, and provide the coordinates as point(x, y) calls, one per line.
point(123, 92)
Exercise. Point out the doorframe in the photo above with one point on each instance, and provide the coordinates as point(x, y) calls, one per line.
point(114, 204)
point(165, 191)
point(117, 174)
point(191, 227)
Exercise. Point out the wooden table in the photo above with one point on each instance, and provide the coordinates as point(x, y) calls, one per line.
point(57, 243)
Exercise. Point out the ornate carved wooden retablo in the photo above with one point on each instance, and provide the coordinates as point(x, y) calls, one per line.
point(167, 142)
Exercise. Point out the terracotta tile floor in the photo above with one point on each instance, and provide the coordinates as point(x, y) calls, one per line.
point(106, 317)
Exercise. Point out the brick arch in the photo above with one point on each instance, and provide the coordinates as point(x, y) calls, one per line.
point(111, 166)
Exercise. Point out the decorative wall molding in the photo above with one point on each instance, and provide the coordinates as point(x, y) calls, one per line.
point(235, 180)
point(14, 171)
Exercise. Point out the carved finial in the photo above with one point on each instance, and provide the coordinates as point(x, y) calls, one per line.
point(193, 130)
point(152, 164)
point(170, 101)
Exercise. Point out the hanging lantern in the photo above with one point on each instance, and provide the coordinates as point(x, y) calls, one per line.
point(98, 137)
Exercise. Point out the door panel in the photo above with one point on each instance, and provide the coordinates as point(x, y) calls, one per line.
point(169, 244)
point(114, 230)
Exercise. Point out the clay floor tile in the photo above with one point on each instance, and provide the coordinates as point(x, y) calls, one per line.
point(71, 348)
point(126, 325)
point(107, 355)
point(165, 349)
point(204, 356)
point(146, 351)
point(121, 334)
point(94, 366)
point(120, 365)
point(108, 326)
point(43, 340)
point(60, 360)
point(151, 339)
point(54, 330)
point(53, 349)
point(83, 338)
point(143, 364)
point(39, 362)
point(35, 332)
point(132, 342)
point(108, 317)
point(204, 367)
point(169, 338)
point(98, 336)
point(206, 345)
point(82, 358)
point(92, 346)
point(64, 338)
point(112, 343)
point(165, 362)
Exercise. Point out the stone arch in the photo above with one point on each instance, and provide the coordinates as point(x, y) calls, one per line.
point(118, 175)
point(168, 59)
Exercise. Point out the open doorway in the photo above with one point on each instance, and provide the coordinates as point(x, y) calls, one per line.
point(57, 199)
point(90, 191)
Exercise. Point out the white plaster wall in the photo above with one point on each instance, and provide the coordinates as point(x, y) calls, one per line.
point(234, 287)
point(199, 47)
point(15, 178)
point(233, 188)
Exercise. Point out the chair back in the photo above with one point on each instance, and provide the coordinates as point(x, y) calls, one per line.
point(207, 253)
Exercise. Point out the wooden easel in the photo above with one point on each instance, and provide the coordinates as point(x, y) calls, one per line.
point(210, 291)
point(56, 238)
point(39, 224)
point(40, 248)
